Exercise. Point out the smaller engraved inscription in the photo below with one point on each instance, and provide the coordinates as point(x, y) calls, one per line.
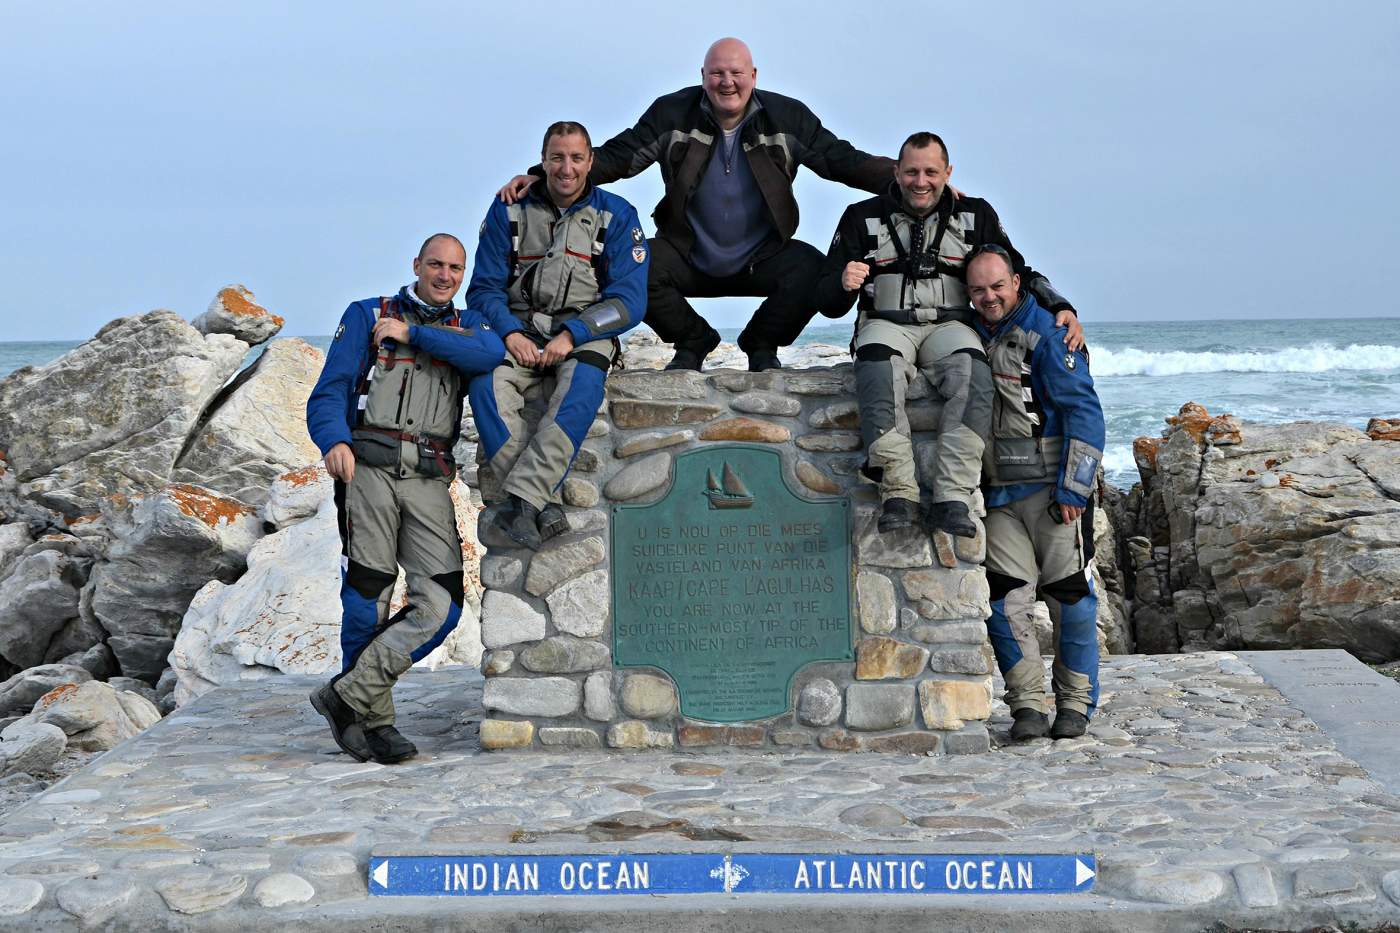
point(731, 583)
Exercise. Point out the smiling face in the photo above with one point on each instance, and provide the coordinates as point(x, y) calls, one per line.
point(993, 287)
point(729, 78)
point(440, 267)
point(567, 159)
point(922, 174)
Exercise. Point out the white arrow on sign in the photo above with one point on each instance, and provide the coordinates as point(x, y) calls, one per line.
point(1082, 873)
point(380, 874)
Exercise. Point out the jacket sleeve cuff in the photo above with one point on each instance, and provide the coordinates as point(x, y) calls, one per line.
point(1080, 473)
point(579, 331)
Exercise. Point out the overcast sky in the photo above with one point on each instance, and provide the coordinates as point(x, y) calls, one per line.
point(1155, 160)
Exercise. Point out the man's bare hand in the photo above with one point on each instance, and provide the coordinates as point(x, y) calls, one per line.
point(854, 275)
point(515, 189)
point(340, 462)
point(1075, 338)
point(559, 347)
point(387, 328)
point(1070, 513)
point(523, 349)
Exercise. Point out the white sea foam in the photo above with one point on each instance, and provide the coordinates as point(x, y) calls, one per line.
point(1317, 358)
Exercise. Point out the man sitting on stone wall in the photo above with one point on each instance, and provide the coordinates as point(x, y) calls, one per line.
point(899, 257)
point(1040, 470)
point(385, 414)
point(560, 274)
point(728, 154)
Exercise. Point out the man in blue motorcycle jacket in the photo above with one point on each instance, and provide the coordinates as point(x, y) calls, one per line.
point(1040, 470)
point(560, 274)
point(385, 413)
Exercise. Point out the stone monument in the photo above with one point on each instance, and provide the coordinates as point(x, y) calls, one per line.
point(724, 584)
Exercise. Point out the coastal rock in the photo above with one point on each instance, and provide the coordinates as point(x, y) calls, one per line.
point(93, 715)
point(30, 748)
point(112, 415)
point(297, 495)
point(19, 694)
point(37, 599)
point(256, 429)
point(1272, 536)
point(235, 311)
point(167, 546)
point(283, 614)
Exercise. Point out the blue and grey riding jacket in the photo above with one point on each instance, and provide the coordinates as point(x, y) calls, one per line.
point(1047, 424)
point(541, 270)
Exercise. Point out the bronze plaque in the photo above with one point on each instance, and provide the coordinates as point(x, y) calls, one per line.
point(731, 583)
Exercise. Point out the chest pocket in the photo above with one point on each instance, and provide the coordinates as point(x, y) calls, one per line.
point(556, 261)
point(1017, 452)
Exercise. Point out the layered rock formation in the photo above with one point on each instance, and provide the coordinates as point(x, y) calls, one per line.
point(131, 469)
point(1267, 536)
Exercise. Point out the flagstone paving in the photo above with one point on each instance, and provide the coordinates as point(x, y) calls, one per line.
point(1203, 791)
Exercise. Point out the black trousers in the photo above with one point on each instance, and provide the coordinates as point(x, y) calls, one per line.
point(785, 280)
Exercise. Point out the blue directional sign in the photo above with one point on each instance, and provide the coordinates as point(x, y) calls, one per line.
point(727, 873)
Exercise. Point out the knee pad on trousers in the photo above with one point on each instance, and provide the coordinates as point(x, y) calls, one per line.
point(1000, 584)
point(1069, 590)
point(453, 583)
point(875, 391)
point(977, 413)
point(368, 582)
point(875, 353)
point(591, 358)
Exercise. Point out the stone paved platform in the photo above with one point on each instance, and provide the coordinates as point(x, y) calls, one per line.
point(1206, 795)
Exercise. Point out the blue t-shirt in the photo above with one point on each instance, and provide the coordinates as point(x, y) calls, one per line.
point(727, 211)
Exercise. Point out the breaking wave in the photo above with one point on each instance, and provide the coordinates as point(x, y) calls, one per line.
point(1318, 358)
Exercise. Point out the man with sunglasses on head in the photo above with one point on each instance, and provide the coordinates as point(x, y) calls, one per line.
point(1041, 468)
point(560, 274)
point(899, 257)
point(728, 154)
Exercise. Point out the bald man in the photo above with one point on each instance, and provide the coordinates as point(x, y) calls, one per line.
point(728, 155)
point(385, 414)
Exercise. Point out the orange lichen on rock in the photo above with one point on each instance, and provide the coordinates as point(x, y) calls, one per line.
point(205, 506)
point(54, 695)
point(1383, 429)
point(234, 298)
point(1286, 480)
point(302, 476)
point(1145, 450)
point(82, 519)
point(1193, 419)
point(1224, 431)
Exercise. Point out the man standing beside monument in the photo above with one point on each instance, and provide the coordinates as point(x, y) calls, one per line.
point(385, 414)
point(1041, 467)
point(728, 156)
point(560, 274)
point(899, 257)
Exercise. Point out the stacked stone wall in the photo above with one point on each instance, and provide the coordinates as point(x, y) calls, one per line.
point(920, 681)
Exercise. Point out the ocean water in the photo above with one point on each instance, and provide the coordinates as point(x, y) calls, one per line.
point(1270, 371)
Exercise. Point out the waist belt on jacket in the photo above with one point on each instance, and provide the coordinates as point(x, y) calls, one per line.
point(439, 446)
point(920, 315)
